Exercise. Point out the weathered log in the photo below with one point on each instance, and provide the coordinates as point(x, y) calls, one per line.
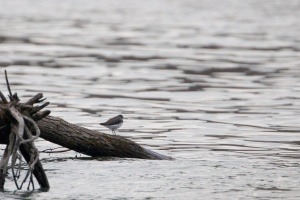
point(92, 143)
point(88, 142)
point(22, 123)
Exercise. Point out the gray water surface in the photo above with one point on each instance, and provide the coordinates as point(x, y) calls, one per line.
point(214, 84)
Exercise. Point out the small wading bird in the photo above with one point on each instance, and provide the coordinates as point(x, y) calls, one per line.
point(113, 123)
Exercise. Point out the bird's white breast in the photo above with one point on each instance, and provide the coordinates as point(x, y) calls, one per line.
point(115, 126)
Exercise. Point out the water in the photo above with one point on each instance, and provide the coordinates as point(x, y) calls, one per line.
point(214, 84)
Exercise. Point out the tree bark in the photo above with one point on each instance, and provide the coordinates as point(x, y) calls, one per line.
point(92, 143)
point(88, 142)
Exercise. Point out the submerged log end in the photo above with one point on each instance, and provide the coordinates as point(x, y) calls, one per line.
point(157, 156)
point(119, 146)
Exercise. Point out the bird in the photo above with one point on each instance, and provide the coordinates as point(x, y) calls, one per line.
point(114, 123)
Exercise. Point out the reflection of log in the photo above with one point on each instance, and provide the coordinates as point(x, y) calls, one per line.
point(91, 142)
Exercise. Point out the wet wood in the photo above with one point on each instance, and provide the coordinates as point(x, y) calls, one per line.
point(38, 170)
point(88, 142)
point(92, 143)
point(22, 123)
point(16, 120)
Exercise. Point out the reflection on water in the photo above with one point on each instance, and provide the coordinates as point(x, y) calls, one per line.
point(217, 89)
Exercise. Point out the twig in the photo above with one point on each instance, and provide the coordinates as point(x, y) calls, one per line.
point(60, 151)
point(8, 87)
point(3, 98)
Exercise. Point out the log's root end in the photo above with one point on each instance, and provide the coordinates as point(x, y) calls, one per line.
point(18, 120)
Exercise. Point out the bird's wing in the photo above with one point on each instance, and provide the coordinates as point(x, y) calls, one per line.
point(114, 120)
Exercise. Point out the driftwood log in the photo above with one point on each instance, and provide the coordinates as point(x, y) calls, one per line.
point(88, 142)
point(92, 143)
point(36, 123)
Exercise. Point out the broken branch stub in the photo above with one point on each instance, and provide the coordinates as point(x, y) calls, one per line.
point(18, 131)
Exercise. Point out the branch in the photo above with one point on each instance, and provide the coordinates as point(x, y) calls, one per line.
point(4, 100)
point(35, 99)
point(8, 86)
